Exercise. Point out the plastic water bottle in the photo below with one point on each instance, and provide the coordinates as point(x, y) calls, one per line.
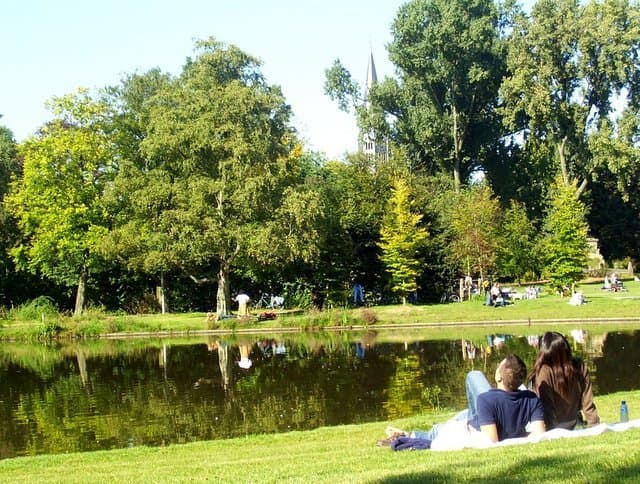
point(624, 411)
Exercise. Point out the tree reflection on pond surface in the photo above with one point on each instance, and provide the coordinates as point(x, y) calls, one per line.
point(121, 393)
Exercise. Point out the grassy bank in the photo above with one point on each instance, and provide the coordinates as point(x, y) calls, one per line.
point(602, 305)
point(348, 454)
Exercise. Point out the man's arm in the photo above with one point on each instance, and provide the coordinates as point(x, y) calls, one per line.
point(491, 431)
point(537, 427)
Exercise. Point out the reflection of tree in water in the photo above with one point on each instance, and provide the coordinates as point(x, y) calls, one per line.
point(405, 390)
point(617, 369)
point(224, 363)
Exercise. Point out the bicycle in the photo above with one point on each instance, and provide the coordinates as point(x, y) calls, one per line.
point(269, 301)
point(449, 297)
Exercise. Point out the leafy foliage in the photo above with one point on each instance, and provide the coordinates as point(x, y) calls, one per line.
point(570, 65)
point(517, 256)
point(401, 238)
point(450, 64)
point(222, 165)
point(58, 201)
point(475, 216)
point(564, 246)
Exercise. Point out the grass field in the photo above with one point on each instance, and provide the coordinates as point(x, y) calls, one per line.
point(602, 306)
point(348, 454)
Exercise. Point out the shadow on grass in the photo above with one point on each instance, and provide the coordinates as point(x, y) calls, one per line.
point(526, 470)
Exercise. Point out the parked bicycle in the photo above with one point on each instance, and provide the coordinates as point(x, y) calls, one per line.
point(269, 301)
point(449, 296)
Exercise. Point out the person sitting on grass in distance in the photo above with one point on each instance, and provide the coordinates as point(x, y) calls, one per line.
point(498, 413)
point(562, 382)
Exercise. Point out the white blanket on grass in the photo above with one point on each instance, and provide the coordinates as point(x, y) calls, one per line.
point(455, 435)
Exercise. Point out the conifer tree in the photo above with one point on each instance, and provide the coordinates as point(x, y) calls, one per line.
point(401, 238)
point(564, 246)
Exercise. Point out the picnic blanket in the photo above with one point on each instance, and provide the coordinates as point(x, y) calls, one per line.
point(455, 435)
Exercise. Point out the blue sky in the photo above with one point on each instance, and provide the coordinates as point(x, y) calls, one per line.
point(52, 47)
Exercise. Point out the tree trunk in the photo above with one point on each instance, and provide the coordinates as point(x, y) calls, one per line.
point(162, 300)
point(223, 295)
point(565, 171)
point(82, 284)
point(456, 151)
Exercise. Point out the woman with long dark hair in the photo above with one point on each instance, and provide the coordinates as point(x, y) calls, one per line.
point(562, 382)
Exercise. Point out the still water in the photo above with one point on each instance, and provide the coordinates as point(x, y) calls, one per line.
point(113, 394)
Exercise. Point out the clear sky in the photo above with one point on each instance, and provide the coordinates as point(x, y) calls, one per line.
point(52, 47)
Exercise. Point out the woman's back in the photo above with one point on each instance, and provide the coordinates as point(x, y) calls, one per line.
point(563, 384)
point(563, 400)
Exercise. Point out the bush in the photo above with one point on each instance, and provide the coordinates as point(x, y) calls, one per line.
point(368, 316)
point(297, 295)
point(49, 329)
point(35, 310)
point(147, 305)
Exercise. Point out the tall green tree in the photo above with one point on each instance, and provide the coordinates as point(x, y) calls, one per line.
point(58, 201)
point(614, 194)
point(140, 192)
point(517, 255)
point(9, 165)
point(450, 61)
point(401, 238)
point(224, 166)
point(474, 216)
point(564, 243)
point(571, 66)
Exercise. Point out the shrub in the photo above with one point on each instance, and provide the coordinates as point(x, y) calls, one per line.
point(368, 316)
point(35, 310)
point(148, 304)
point(297, 295)
point(49, 329)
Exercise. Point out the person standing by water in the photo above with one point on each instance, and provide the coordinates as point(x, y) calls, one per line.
point(358, 294)
point(562, 382)
point(243, 300)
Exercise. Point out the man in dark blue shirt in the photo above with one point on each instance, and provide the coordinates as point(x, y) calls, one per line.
point(504, 412)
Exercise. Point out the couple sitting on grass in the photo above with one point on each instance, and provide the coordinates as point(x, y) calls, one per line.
point(561, 389)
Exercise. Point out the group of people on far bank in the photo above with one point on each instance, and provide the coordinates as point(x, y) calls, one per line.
point(559, 395)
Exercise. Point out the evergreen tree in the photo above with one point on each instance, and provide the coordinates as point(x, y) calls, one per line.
point(564, 246)
point(401, 238)
point(517, 256)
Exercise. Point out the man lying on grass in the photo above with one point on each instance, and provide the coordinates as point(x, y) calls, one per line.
point(497, 414)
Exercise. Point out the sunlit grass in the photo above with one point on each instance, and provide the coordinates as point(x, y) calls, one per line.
point(602, 306)
point(348, 454)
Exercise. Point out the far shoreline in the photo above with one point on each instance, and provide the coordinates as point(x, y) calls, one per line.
point(373, 327)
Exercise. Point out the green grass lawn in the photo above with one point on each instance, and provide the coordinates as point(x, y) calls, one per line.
point(601, 306)
point(348, 454)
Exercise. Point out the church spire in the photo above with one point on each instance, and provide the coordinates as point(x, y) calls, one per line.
point(372, 76)
point(368, 143)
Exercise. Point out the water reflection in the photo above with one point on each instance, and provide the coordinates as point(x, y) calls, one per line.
point(117, 394)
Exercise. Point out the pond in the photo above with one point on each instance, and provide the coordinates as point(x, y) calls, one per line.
point(114, 394)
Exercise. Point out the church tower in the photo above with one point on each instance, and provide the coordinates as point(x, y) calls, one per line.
point(373, 146)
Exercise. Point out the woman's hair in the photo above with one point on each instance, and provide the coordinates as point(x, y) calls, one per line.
point(555, 352)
